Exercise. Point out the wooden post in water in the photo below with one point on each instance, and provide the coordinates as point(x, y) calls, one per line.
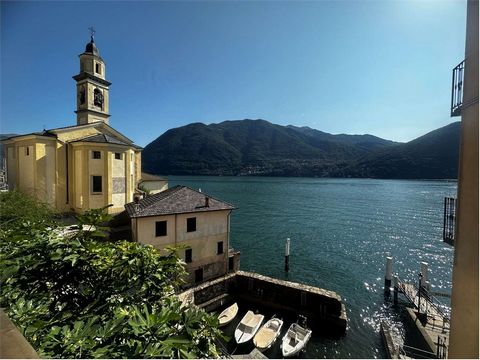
point(424, 271)
point(287, 254)
point(388, 275)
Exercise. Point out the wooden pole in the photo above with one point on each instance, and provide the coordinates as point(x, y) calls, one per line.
point(287, 254)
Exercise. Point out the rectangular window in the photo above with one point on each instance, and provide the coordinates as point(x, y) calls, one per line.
point(219, 247)
point(96, 155)
point(188, 256)
point(27, 151)
point(160, 228)
point(96, 184)
point(98, 68)
point(118, 156)
point(191, 224)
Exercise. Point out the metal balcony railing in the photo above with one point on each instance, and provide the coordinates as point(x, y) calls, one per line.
point(457, 89)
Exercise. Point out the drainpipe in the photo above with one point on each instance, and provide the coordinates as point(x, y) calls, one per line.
point(175, 230)
point(228, 242)
point(66, 165)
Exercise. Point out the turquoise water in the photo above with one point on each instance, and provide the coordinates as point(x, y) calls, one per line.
point(341, 230)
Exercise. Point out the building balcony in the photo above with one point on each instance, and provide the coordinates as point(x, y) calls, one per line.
point(457, 89)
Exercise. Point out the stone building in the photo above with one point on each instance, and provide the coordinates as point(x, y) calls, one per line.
point(84, 166)
point(184, 217)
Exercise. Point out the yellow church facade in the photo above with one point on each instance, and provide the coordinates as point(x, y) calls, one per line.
point(79, 167)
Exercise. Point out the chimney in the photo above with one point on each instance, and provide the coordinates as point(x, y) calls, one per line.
point(207, 201)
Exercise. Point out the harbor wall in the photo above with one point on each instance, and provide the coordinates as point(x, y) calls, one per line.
point(324, 309)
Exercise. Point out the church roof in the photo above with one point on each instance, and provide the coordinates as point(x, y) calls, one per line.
point(176, 200)
point(104, 138)
point(91, 48)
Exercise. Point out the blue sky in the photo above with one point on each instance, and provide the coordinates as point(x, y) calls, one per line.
point(377, 67)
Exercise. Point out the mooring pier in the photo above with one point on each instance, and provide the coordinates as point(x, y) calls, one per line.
point(426, 316)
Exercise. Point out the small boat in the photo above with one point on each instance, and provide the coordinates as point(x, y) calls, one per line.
point(296, 338)
point(227, 315)
point(248, 326)
point(268, 334)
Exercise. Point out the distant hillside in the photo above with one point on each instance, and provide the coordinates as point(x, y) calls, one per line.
point(431, 156)
point(257, 147)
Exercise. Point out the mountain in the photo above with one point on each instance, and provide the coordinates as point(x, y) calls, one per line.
point(431, 156)
point(258, 147)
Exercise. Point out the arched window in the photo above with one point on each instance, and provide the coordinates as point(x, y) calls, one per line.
point(98, 98)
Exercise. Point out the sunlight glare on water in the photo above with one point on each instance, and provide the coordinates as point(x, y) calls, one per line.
point(341, 231)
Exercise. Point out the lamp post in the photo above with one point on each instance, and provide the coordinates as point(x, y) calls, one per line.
point(420, 276)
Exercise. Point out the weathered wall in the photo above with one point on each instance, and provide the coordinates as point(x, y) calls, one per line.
point(464, 333)
point(12, 164)
point(118, 179)
point(26, 164)
point(212, 227)
point(324, 309)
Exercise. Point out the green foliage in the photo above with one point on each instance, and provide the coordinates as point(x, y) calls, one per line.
point(17, 208)
point(82, 297)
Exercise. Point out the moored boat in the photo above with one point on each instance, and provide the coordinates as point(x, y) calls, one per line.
point(268, 334)
point(227, 315)
point(248, 326)
point(296, 338)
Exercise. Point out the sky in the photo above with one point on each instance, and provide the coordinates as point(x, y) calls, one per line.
point(355, 67)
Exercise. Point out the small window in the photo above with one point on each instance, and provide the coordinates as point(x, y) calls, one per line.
point(118, 156)
point(96, 155)
point(188, 255)
point(96, 184)
point(191, 224)
point(219, 247)
point(27, 151)
point(98, 68)
point(160, 228)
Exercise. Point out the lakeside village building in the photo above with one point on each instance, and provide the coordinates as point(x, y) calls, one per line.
point(91, 165)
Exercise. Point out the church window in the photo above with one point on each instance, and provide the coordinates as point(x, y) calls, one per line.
point(27, 151)
point(81, 96)
point(98, 98)
point(96, 155)
point(96, 184)
point(118, 156)
point(98, 68)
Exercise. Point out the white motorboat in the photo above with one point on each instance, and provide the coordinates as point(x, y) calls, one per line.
point(248, 326)
point(295, 339)
point(268, 334)
point(227, 315)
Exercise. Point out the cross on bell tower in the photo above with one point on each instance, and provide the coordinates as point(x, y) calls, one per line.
point(92, 87)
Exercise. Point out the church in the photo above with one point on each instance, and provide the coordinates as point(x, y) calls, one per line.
point(83, 166)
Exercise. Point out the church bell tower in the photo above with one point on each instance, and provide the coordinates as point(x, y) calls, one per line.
point(92, 88)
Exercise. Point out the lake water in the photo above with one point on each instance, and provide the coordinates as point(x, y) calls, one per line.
point(341, 231)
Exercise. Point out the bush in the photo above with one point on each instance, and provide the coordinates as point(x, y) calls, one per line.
point(82, 297)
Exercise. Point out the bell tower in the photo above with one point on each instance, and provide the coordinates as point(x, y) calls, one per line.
point(92, 88)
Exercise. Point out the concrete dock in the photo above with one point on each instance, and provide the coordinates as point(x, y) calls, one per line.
point(323, 308)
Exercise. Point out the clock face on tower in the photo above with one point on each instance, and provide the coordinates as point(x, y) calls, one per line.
point(98, 98)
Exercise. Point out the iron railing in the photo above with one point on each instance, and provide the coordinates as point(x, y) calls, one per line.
point(457, 89)
point(449, 216)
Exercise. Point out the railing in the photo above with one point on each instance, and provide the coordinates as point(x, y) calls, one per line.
point(457, 89)
point(449, 215)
